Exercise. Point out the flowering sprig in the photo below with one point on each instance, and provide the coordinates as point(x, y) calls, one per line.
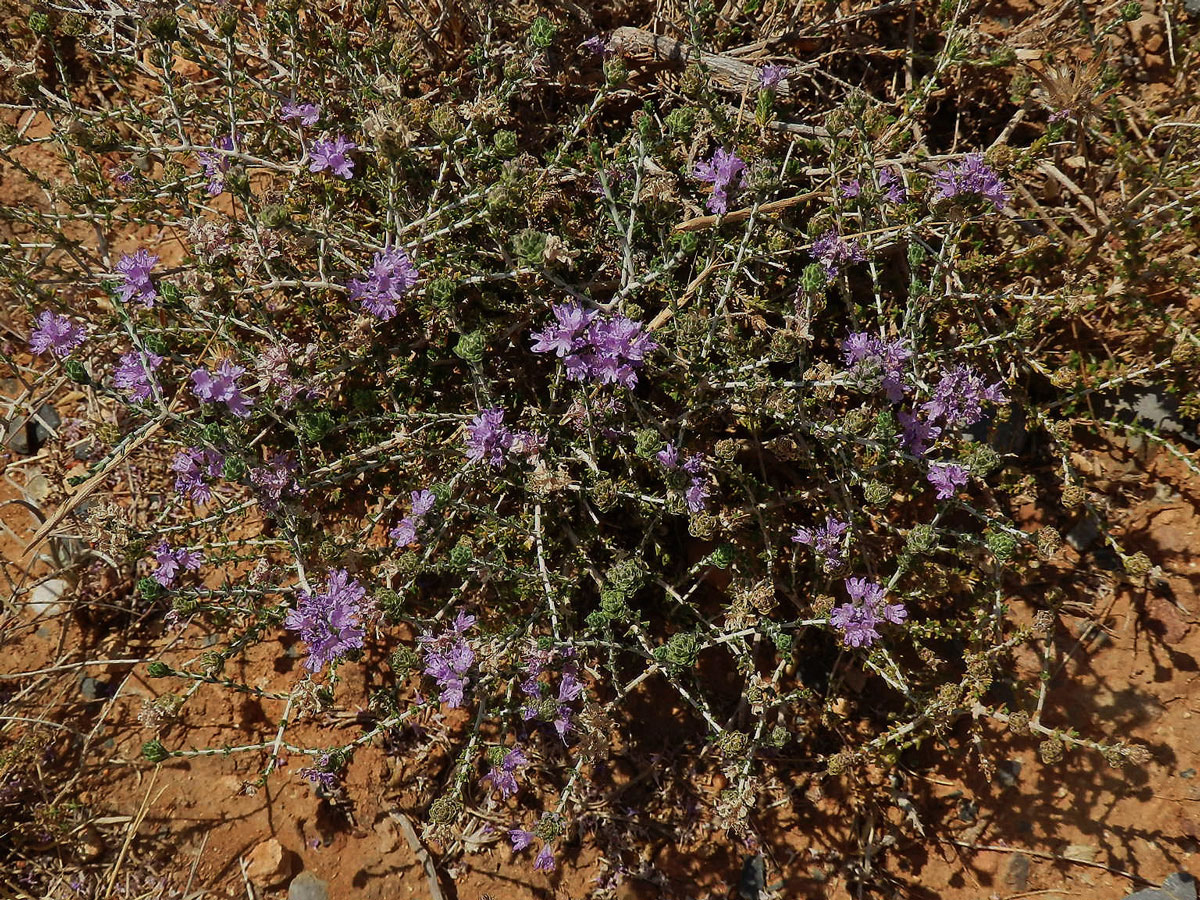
point(55, 334)
point(971, 175)
point(609, 350)
point(330, 621)
point(405, 533)
point(448, 658)
point(828, 541)
point(503, 775)
point(306, 113)
point(171, 561)
point(216, 165)
point(832, 252)
point(947, 478)
point(134, 374)
point(135, 272)
point(391, 276)
point(725, 172)
point(873, 360)
point(221, 386)
point(333, 156)
point(858, 619)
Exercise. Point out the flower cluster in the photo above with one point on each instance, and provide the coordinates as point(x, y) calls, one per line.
point(827, 541)
point(609, 350)
point(721, 172)
point(330, 621)
point(857, 620)
point(959, 396)
point(833, 252)
point(193, 468)
point(332, 156)
point(307, 113)
point(503, 775)
point(696, 493)
point(873, 360)
point(275, 480)
point(216, 164)
point(391, 276)
point(555, 711)
point(171, 561)
point(946, 478)
point(56, 334)
point(135, 272)
point(971, 175)
point(221, 387)
point(490, 440)
point(544, 862)
point(133, 374)
point(770, 76)
point(406, 532)
point(448, 658)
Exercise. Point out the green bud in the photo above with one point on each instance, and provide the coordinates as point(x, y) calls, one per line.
point(154, 751)
point(148, 588)
point(39, 23)
point(505, 142)
point(155, 344)
point(471, 346)
point(76, 371)
point(681, 121)
point(813, 279)
point(234, 468)
point(273, 215)
point(164, 26)
point(158, 669)
point(876, 493)
point(615, 71)
point(530, 246)
point(541, 32)
point(1002, 544)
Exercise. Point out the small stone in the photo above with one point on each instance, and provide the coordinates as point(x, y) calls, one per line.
point(1080, 852)
point(91, 844)
point(754, 877)
point(307, 886)
point(1179, 886)
point(1017, 872)
point(93, 688)
point(269, 864)
point(43, 599)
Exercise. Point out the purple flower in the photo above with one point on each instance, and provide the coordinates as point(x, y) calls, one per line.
point(171, 561)
point(390, 277)
point(275, 479)
point(221, 387)
point(520, 838)
point(193, 467)
point(608, 350)
point(874, 361)
point(545, 860)
point(720, 172)
point(503, 777)
point(832, 252)
point(307, 113)
point(136, 272)
point(770, 76)
point(947, 478)
point(892, 185)
point(668, 456)
point(422, 502)
point(597, 45)
point(448, 658)
point(405, 533)
point(133, 376)
point(330, 621)
point(850, 189)
point(857, 620)
point(916, 433)
point(216, 165)
point(488, 438)
point(826, 541)
point(959, 396)
point(971, 175)
point(55, 333)
point(331, 155)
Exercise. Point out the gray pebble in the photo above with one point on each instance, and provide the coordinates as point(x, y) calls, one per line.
point(307, 886)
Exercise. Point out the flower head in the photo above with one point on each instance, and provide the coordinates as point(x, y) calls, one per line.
point(959, 397)
point(133, 374)
point(331, 155)
point(56, 334)
point(609, 350)
point(488, 438)
point(389, 278)
point(275, 480)
point(221, 387)
point(873, 360)
point(307, 113)
point(770, 76)
point(448, 658)
point(170, 562)
point(216, 165)
point(135, 270)
point(827, 541)
point(193, 468)
point(720, 172)
point(947, 478)
point(858, 619)
point(971, 175)
point(832, 252)
point(330, 621)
